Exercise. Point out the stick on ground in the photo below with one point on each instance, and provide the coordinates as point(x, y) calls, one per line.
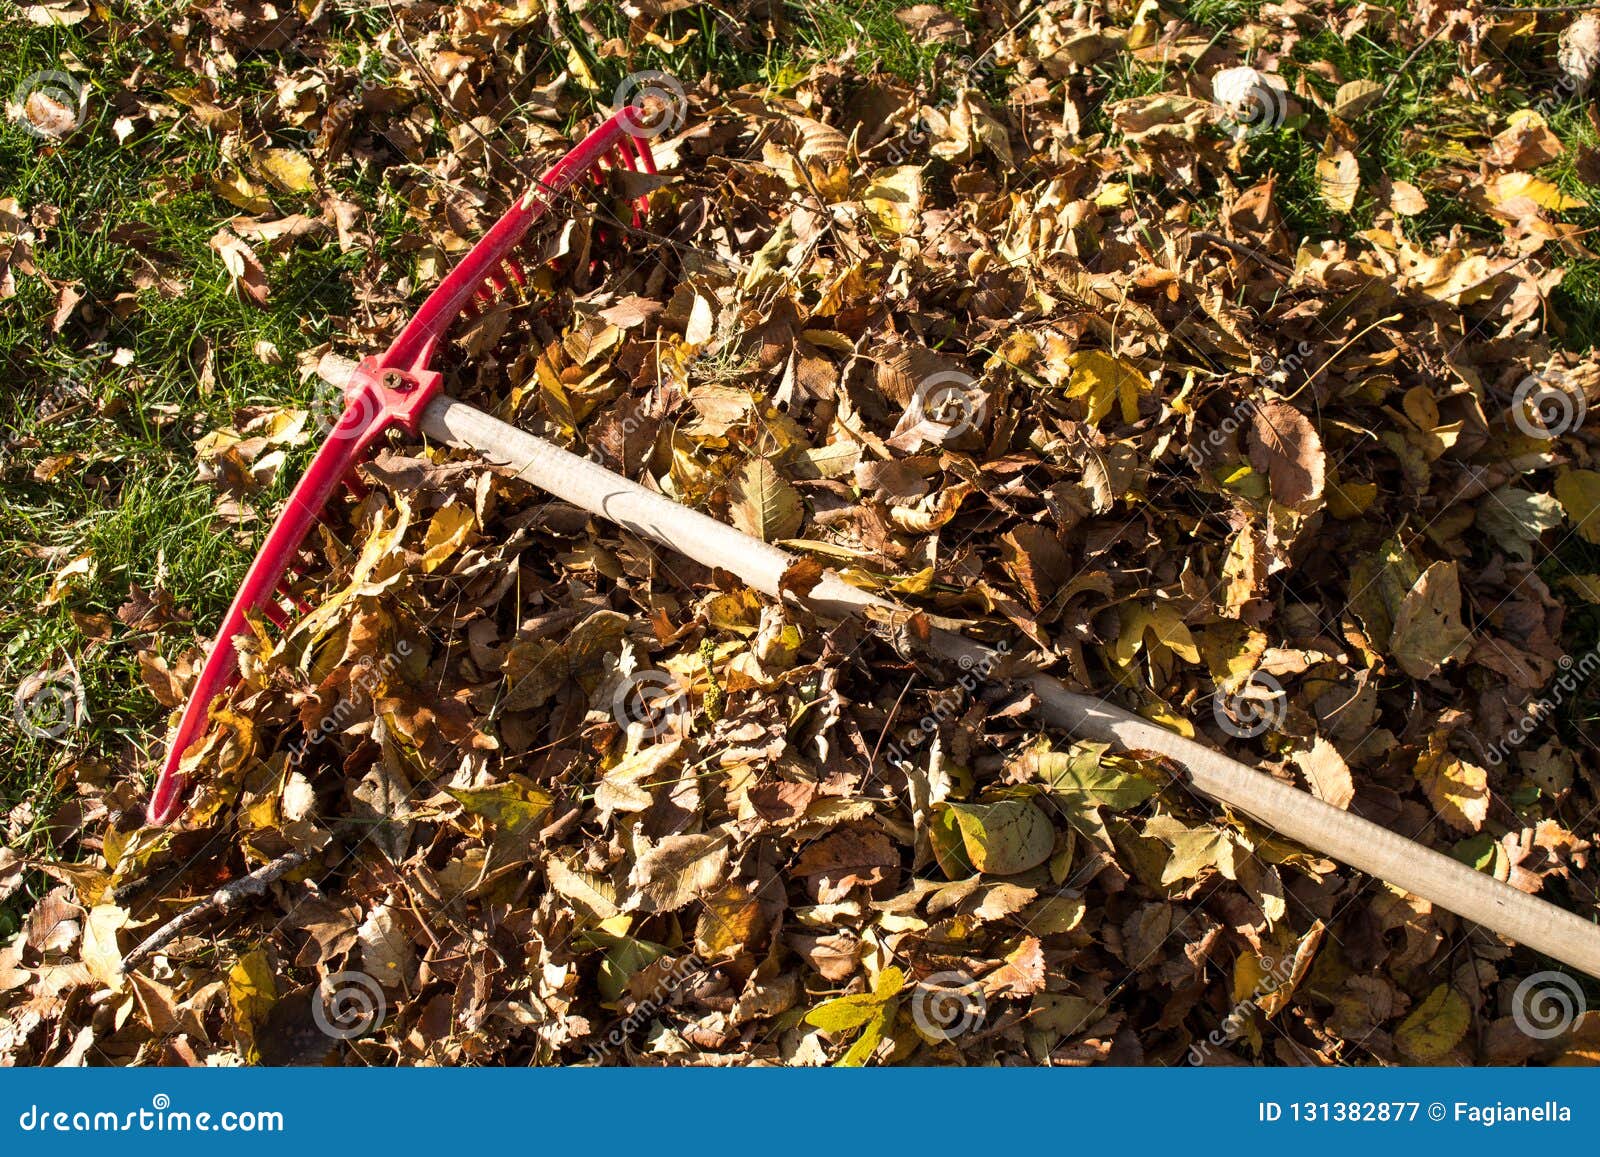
point(222, 900)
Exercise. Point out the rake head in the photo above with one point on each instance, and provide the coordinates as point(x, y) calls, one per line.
point(386, 390)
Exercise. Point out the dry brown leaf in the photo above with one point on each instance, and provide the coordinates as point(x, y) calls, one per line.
point(1338, 176)
point(1428, 632)
point(244, 268)
point(677, 870)
point(1284, 446)
point(765, 505)
point(1326, 773)
point(1457, 789)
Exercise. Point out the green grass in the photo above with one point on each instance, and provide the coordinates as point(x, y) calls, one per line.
point(131, 500)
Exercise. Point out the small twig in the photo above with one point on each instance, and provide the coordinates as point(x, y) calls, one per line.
point(1512, 8)
point(1406, 63)
point(1339, 353)
point(224, 898)
point(872, 760)
point(1271, 263)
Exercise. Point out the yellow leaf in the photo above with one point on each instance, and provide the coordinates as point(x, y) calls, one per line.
point(1326, 772)
point(1508, 188)
point(1087, 775)
point(1004, 838)
point(1243, 571)
point(1428, 631)
point(1355, 97)
point(1458, 790)
point(1578, 491)
point(1158, 712)
point(1585, 586)
point(78, 571)
point(1112, 195)
point(1338, 175)
point(869, 1010)
point(859, 1052)
point(1167, 625)
point(101, 954)
point(895, 197)
point(825, 152)
point(1288, 970)
point(1193, 849)
point(1436, 1026)
point(845, 1012)
point(511, 806)
point(237, 189)
point(252, 992)
point(1347, 500)
point(288, 169)
point(765, 506)
point(588, 890)
point(447, 531)
point(1103, 379)
point(579, 69)
point(731, 918)
point(380, 555)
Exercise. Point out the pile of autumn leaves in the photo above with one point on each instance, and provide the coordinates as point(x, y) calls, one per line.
point(1193, 476)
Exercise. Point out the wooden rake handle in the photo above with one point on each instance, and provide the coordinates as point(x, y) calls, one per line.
point(1298, 815)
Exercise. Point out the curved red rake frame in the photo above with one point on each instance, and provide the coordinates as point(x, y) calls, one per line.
point(387, 389)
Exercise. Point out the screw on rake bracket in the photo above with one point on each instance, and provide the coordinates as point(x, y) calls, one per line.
point(387, 395)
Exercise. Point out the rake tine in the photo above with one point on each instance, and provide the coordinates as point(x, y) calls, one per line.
point(641, 150)
point(626, 154)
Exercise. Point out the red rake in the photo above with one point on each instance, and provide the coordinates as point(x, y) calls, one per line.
point(399, 388)
point(390, 389)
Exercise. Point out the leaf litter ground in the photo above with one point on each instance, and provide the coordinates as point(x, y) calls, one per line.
point(1032, 352)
